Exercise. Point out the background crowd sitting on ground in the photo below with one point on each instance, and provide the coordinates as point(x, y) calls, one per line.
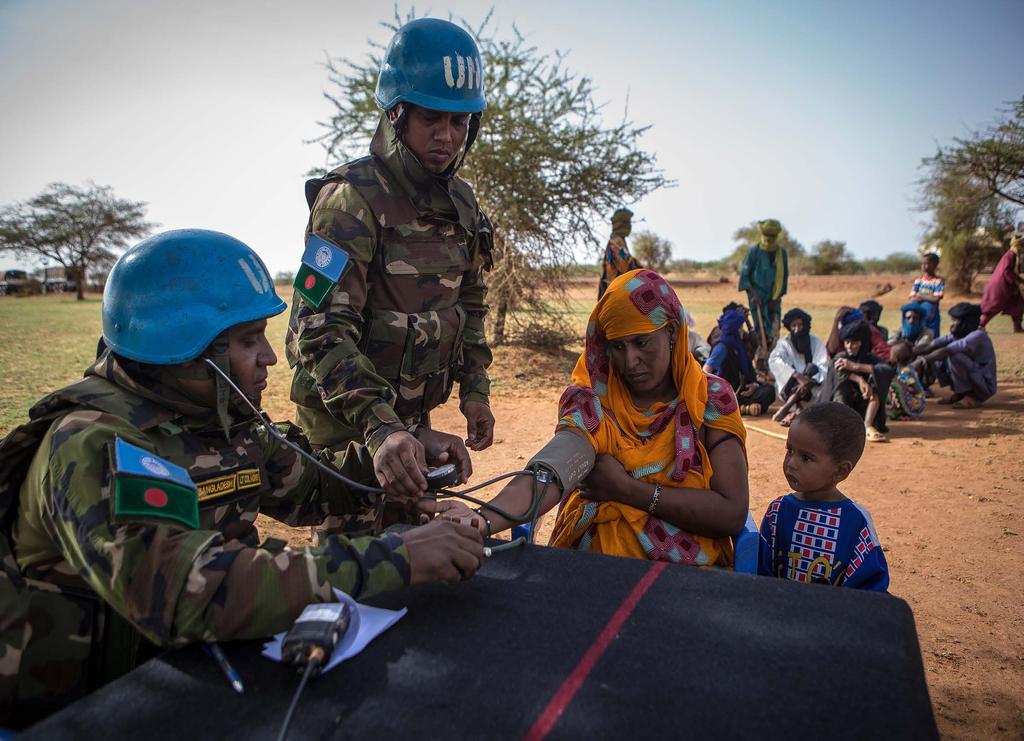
point(882, 374)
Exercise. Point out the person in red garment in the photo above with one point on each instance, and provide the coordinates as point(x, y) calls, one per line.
point(1003, 292)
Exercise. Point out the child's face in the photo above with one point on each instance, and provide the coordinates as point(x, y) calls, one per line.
point(852, 347)
point(809, 466)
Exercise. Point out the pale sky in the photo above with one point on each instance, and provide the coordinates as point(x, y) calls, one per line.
point(816, 113)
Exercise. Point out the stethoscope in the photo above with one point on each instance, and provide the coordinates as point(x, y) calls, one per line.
point(438, 479)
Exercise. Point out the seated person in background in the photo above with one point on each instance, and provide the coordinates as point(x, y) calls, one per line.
point(750, 341)
point(655, 445)
point(912, 330)
point(699, 347)
point(872, 311)
point(928, 290)
point(862, 379)
point(964, 359)
point(729, 360)
point(816, 534)
point(906, 398)
point(800, 365)
point(128, 502)
point(847, 315)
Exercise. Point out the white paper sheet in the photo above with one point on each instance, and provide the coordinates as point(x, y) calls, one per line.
point(365, 624)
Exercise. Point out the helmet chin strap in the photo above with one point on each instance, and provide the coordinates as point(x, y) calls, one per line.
point(219, 361)
point(224, 382)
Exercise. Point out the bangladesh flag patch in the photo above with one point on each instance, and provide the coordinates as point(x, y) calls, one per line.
point(146, 485)
point(321, 267)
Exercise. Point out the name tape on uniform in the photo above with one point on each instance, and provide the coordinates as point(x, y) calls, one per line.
point(225, 484)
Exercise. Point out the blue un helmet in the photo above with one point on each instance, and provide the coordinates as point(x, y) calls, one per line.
point(433, 64)
point(170, 296)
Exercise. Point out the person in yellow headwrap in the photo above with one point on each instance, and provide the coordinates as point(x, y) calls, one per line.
point(617, 258)
point(764, 276)
point(648, 457)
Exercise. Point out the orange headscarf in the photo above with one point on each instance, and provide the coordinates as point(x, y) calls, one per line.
point(661, 444)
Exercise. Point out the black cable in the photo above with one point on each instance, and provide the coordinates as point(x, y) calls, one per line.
point(310, 667)
point(529, 516)
point(276, 434)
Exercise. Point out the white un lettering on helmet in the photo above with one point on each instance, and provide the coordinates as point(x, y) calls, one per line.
point(466, 73)
point(260, 284)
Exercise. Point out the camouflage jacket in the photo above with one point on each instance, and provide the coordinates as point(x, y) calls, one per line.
point(81, 583)
point(406, 318)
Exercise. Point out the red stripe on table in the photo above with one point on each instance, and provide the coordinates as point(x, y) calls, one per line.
point(561, 699)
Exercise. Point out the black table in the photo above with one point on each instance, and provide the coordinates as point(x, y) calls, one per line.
point(704, 653)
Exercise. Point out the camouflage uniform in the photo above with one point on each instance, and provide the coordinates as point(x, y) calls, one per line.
point(85, 592)
point(406, 318)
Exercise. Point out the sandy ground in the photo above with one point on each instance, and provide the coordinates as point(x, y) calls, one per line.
point(946, 497)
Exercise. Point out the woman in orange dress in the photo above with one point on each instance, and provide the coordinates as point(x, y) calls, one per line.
point(658, 464)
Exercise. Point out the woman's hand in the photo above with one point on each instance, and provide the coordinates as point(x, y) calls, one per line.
point(865, 389)
point(608, 482)
point(457, 512)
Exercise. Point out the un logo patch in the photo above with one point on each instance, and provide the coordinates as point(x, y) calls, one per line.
point(323, 256)
point(154, 466)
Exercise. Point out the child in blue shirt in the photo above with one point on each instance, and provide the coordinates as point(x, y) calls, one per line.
point(816, 534)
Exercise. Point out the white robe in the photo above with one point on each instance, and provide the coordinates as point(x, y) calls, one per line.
point(784, 361)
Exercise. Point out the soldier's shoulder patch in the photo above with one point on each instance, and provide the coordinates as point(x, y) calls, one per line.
point(146, 485)
point(322, 263)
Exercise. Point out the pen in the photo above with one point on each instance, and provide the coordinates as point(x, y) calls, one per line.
point(214, 650)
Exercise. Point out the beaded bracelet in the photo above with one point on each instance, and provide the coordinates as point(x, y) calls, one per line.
point(487, 522)
point(654, 499)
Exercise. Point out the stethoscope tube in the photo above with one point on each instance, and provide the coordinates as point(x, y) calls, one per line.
point(541, 477)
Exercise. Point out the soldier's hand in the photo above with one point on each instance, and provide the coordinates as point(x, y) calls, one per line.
point(399, 465)
point(443, 551)
point(479, 425)
point(441, 448)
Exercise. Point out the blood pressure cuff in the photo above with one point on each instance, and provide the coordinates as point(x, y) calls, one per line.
point(568, 456)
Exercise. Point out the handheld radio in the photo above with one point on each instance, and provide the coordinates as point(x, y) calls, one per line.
point(310, 642)
point(315, 633)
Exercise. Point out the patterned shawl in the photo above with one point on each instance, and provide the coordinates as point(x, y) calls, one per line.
point(660, 444)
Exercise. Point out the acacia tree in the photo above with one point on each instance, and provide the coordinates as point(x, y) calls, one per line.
point(992, 158)
point(973, 189)
point(969, 221)
point(831, 257)
point(545, 168)
point(652, 251)
point(80, 228)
